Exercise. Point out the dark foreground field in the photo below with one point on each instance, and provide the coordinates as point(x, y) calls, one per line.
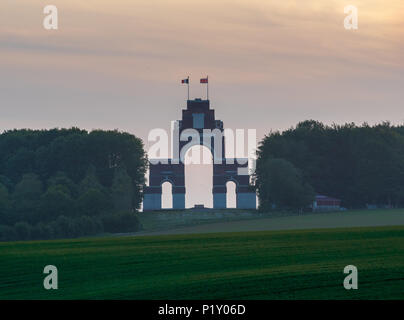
point(256, 265)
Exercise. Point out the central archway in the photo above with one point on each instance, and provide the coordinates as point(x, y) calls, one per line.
point(198, 177)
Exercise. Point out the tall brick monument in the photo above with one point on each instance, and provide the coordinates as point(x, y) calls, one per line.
point(198, 116)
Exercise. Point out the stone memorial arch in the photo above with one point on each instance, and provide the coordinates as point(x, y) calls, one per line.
point(195, 118)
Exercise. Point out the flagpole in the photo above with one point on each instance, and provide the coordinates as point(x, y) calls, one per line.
point(188, 87)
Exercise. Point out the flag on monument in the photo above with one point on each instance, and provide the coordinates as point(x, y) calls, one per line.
point(204, 80)
point(185, 81)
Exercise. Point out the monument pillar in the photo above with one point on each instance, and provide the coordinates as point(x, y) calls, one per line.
point(152, 198)
point(219, 197)
point(178, 198)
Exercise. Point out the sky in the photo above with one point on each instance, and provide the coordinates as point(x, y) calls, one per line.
point(118, 64)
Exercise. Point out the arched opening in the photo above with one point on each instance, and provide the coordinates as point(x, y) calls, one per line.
point(167, 195)
point(231, 198)
point(198, 177)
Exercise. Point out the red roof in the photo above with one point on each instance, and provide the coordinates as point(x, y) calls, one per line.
point(327, 201)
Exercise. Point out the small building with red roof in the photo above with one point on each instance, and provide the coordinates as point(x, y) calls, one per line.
point(326, 203)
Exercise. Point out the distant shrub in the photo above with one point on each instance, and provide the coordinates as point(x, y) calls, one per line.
point(7, 233)
point(121, 222)
point(66, 227)
point(86, 225)
point(46, 231)
point(41, 231)
point(23, 230)
point(36, 233)
point(63, 227)
point(55, 202)
point(94, 202)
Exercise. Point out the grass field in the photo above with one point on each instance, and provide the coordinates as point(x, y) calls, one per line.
point(169, 223)
point(305, 264)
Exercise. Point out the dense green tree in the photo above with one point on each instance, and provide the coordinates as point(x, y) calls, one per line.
point(121, 222)
point(8, 233)
point(19, 163)
point(63, 227)
point(90, 181)
point(26, 197)
point(54, 202)
point(61, 180)
point(23, 230)
point(88, 225)
point(5, 205)
point(280, 185)
point(94, 202)
point(6, 182)
point(45, 174)
point(122, 190)
point(361, 165)
point(42, 231)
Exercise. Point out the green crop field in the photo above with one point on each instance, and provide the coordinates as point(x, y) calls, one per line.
point(305, 264)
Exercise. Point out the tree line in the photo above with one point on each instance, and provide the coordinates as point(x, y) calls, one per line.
point(361, 165)
point(69, 182)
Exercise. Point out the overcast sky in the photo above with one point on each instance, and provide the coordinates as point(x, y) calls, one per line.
point(117, 64)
